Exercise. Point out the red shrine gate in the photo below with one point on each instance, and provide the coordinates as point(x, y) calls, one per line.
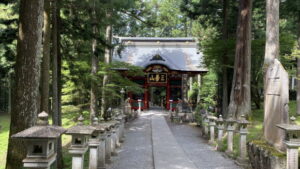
point(160, 76)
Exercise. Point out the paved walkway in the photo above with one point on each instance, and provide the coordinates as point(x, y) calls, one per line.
point(152, 143)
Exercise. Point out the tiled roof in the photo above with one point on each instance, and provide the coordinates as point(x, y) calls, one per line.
point(180, 54)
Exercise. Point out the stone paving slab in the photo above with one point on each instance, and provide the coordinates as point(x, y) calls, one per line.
point(136, 151)
point(166, 151)
point(196, 148)
point(153, 143)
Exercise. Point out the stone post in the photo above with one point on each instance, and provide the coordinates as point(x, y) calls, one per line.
point(118, 126)
point(113, 141)
point(108, 146)
point(212, 125)
point(230, 129)
point(93, 146)
point(243, 138)
point(140, 106)
point(292, 142)
point(220, 126)
point(205, 124)
point(101, 151)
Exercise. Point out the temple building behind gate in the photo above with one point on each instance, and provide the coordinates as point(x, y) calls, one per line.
point(168, 63)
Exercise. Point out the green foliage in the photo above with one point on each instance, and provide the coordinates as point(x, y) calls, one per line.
point(4, 133)
point(208, 90)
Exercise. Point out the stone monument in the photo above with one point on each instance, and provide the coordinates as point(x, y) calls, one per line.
point(276, 104)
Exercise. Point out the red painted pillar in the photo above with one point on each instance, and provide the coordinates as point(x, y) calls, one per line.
point(168, 94)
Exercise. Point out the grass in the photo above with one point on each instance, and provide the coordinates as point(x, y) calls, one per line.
point(4, 132)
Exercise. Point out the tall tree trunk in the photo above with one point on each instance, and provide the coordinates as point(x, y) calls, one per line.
point(95, 60)
point(56, 77)
point(55, 105)
point(272, 32)
point(240, 98)
point(27, 73)
point(46, 59)
point(107, 59)
point(225, 72)
point(298, 70)
point(59, 157)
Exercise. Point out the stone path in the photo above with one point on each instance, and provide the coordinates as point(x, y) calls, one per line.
point(152, 143)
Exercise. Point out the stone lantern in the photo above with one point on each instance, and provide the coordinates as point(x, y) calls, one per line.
point(79, 145)
point(230, 129)
point(243, 123)
point(292, 142)
point(220, 126)
point(40, 141)
point(212, 123)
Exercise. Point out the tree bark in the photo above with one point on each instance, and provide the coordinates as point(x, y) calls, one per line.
point(56, 77)
point(27, 73)
point(107, 59)
point(95, 60)
point(46, 59)
point(240, 98)
point(272, 32)
point(224, 69)
point(298, 70)
point(54, 65)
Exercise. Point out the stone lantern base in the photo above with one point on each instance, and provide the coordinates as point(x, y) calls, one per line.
point(39, 162)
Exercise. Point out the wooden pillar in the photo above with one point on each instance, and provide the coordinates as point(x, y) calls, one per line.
point(191, 83)
point(199, 85)
point(168, 94)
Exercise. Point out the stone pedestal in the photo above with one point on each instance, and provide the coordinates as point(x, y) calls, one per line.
point(108, 147)
point(292, 156)
point(78, 161)
point(101, 152)
point(212, 125)
point(93, 146)
point(77, 157)
point(243, 139)
point(205, 125)
point(113, 142)
point(230, 131)
point(118, 144)
point(243, 145)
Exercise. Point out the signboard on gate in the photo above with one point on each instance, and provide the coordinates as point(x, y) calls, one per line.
point(157, 77)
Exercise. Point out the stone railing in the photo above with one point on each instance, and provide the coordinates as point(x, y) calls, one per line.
point(260, 158)
point(100, 138)
point(229, 126)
